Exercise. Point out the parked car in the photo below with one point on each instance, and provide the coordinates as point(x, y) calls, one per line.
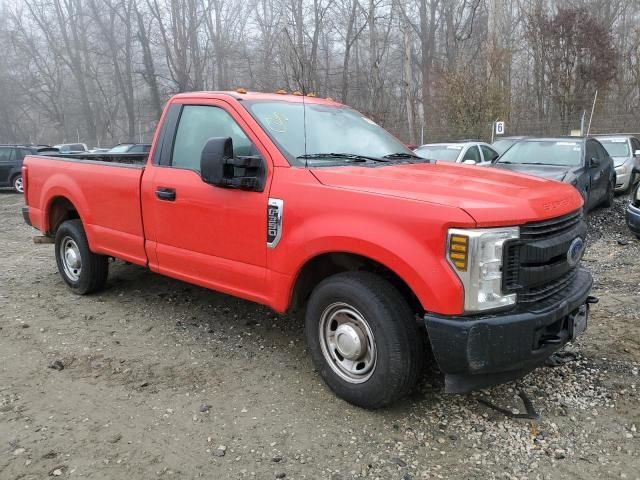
point(460, 152)
point(72, 148)
point(625, 151)
point(579, 161)
point(131, 148)
point(361, 235)
point(11, 157)
point(503, 144)
point(633, 212)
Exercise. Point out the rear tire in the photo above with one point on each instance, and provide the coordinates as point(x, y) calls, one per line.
point(82, 270)
point(16, 183)
point(364, 339)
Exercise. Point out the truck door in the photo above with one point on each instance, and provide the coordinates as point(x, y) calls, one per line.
point(210, 236)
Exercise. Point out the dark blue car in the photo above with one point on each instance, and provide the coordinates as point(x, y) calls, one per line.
point(579, 161)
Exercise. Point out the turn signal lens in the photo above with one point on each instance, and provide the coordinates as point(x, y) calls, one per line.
point(241, 90)
point(297, 93)
point(459, 251)
point(281, 92)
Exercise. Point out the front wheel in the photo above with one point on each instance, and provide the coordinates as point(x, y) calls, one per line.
point(364, 339)
point(17, 184)
point(81, 269)
point(609, 198)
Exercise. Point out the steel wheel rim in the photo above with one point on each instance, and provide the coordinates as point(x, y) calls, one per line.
point(71, 259)
point(347, 343)
point(17, 184)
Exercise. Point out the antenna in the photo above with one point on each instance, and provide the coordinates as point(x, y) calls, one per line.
point(304, 94)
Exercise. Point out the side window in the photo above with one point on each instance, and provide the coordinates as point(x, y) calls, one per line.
point(602, 153)
point(6, 155)
point(23, 153)
point(198, 124)
point(590, 151)
point(489, 153)
point(472, 154)
point(136, 149)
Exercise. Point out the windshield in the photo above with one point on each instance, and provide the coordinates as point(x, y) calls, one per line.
point(544, 152)
point(447, 153)
point(503, 145)
point(616, 147)
point(329, 129)
point(124, 148)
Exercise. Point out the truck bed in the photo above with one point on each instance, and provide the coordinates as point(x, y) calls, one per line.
point(104, 189)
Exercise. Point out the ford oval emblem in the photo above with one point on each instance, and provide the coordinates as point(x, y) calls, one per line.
point(576, 249)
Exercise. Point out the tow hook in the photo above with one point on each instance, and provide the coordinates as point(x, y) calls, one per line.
point(591, 300)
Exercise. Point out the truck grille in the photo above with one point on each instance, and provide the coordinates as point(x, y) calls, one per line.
point(535, 266)
point(549, 228)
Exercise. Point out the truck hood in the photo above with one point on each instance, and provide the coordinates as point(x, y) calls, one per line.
point(492, 197)
point(553, 172)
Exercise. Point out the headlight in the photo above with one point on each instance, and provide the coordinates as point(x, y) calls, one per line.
point(622, 169)
point(476, 257)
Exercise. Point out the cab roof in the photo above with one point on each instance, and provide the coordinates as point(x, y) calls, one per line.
point(259, 96)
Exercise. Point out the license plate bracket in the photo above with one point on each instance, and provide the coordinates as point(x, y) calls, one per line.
point(578, 321)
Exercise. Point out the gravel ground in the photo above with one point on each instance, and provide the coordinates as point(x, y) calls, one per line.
point(157, 378)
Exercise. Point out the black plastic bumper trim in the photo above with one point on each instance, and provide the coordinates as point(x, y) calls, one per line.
point(25, 216)
point(475, 352)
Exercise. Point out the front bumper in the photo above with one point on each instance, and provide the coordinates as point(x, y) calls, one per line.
point(633, 219)
point(622, 181)
point(476, 352)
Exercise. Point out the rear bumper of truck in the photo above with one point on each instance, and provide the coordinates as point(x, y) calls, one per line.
point(480, 351)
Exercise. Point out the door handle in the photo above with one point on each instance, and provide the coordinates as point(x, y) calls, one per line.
point(167, 194)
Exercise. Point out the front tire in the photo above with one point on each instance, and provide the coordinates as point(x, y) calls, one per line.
point(364, 339)
point(82, 270)
point(17, 184)
point(609, 198)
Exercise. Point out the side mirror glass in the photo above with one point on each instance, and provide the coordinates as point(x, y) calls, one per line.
point(469, 162)
point(219, 167)
point(594, 162)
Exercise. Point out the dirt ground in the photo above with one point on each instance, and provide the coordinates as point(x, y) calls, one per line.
point(156, 378)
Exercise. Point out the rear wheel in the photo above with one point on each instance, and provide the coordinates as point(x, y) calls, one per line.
point(364, 339)
point(81, 269)
point(17, 184)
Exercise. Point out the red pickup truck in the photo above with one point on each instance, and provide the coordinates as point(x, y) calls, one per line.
point(294, 201)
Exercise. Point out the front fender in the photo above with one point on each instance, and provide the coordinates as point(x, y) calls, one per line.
point(418, 258)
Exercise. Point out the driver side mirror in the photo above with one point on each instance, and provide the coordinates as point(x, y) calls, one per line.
point(219, 167)
point(594, 162)
point(469, 162)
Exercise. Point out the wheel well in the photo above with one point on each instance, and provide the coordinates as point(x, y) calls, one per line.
point(61, 210)
point(327, 264)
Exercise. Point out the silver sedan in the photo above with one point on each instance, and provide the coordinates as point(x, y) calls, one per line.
point(471, 153)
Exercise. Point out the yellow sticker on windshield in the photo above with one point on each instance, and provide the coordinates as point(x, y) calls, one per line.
point(277, 122)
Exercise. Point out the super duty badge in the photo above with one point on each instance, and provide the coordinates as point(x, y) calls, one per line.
point(274, 221)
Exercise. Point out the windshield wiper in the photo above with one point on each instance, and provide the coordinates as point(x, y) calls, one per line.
point(393, 156)
point(350, 157)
